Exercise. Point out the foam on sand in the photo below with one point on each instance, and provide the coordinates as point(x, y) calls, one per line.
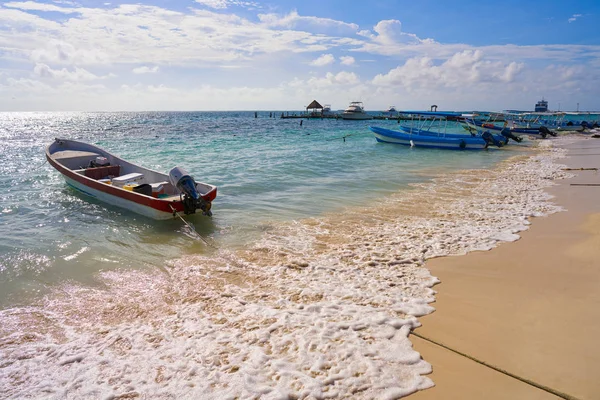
point(319, 308)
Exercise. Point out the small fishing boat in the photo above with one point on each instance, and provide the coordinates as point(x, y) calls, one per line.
point(471, 125)
point(440, 141)
point(99, 174)
point(434, 129)
point(356, 111)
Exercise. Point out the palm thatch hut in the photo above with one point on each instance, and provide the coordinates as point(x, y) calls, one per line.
point(314, 108)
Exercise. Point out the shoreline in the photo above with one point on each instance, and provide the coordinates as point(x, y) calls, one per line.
point(314, 307)
point(531, 308)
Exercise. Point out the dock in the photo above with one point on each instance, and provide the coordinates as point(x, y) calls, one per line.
point(339, 116)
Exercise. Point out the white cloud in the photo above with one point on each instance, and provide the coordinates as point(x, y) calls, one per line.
point(145, 70)
point(27, 85)
point(574, 17)
point(147, 34)
point(33, 6)
point(222, 4)
point(324, 59)
point(342, 78)
point(389, 33)
point(218, 4)
point(293, 20)
point(464, 68)
point(59, 52)
point(347, 60)
point(78, 74)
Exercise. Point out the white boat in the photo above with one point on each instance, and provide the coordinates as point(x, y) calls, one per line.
point(356, 111)
point(391, 109)
point(99, 174)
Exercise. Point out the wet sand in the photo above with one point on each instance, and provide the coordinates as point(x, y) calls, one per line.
point(531, 307)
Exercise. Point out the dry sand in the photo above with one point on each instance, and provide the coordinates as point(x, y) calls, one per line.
point(531, 307)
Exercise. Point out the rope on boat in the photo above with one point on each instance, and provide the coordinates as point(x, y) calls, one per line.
point(498, 369)
point(580, 169)
point(199, 236)
point(40, 166)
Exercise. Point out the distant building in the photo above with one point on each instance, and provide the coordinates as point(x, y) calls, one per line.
point(541, 106)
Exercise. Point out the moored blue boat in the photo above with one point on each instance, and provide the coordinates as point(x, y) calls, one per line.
point(472, 126)
point(440, 141)
point(431, 129)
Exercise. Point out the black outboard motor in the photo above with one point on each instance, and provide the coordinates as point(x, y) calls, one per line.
point(190, 197)
point(509, 135)
point(490, 139)
point(585, 125)
point(545, 132)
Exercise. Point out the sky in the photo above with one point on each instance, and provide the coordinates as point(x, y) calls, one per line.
point(219, 55)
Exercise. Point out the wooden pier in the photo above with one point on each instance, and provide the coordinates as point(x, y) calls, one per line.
point(339, 116)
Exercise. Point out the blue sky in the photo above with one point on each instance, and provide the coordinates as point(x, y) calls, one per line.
point(280, 55)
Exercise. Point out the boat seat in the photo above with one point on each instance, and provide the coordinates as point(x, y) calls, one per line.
point(102, 172)
point(74, 159)
point(134, 177)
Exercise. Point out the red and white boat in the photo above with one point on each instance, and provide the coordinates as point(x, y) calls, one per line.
point(111, 179)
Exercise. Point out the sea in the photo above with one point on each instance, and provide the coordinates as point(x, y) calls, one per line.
point(305, 282)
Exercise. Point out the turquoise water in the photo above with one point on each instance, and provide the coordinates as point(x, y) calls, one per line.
point(314, 275)
point(266, 169)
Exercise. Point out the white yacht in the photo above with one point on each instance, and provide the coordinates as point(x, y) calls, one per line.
point(356, 111)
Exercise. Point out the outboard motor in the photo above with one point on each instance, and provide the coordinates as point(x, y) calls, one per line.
point(509, 135)
point(545, 132)
point(490, 139)
point(180, 178)
point(585, 125)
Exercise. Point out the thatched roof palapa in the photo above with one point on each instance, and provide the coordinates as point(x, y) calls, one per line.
point(314, 105)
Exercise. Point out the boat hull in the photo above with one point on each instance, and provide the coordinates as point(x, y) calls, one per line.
point(150, 211)
point(416, 140)
point(356, 116)
point(424, 132)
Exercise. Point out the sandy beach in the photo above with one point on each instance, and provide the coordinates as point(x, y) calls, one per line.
point(530, 308)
